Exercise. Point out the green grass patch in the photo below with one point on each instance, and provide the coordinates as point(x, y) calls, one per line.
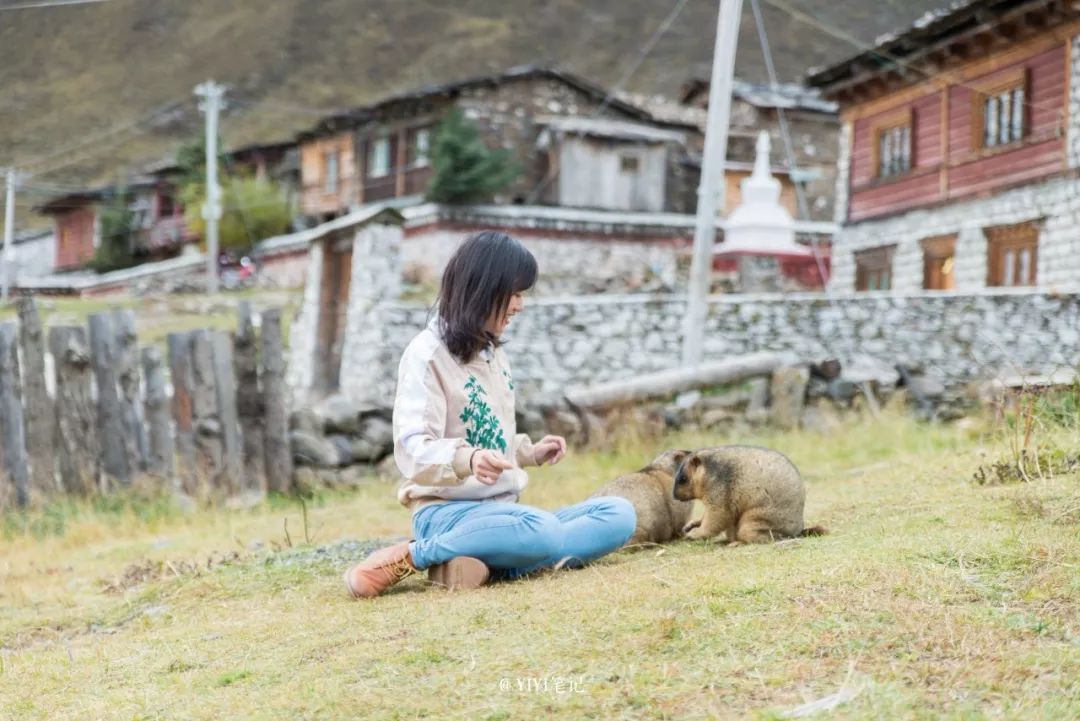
point(932, 597)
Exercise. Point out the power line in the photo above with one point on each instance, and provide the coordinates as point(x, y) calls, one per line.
point(662, 28)
point(49, 4)
point(95, 139)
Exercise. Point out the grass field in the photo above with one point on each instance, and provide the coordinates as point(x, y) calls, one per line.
point(933, 597)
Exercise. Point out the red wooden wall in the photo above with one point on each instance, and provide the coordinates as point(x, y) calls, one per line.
point(962, 169)
point(74, 238)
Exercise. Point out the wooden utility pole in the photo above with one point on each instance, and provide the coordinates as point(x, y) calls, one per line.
point(712, 178)
point(9, 233)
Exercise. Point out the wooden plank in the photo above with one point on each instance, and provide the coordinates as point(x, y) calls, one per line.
point(75, 430)
point(204, 409)
point(249, 401)
point(668, 382)
point(179, 348)
point(38, 415)
point(12, 432)
point(160, 458)
point(127, 374)
point(114, 460)
point(225, 390)
point(276, 418)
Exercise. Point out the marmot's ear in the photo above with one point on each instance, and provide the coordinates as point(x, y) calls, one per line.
point(693, 463)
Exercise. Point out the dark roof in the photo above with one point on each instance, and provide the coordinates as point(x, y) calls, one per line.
point(788, 96)
point(934, 31)
point(358, 115)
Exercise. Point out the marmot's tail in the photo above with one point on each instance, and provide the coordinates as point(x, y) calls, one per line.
point(814, 531)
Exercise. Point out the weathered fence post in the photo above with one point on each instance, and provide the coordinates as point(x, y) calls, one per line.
point(204, 408)
point(37, 407)
point(276, 417)
point(12, 435)
point(160, 457)
point(75, 429)
point(232, 454)
point(127, 374)
point(180, 371)
point(249, 401)
point(110, 420)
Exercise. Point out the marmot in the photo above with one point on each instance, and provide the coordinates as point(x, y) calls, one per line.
point(754, 495)
point(660, 517)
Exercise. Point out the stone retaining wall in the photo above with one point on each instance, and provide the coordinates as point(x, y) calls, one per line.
point(956, 336)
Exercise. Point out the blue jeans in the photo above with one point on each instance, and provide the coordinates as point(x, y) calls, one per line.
point(514, 539)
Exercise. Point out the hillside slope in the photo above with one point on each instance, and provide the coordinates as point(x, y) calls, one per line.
point(125, 69)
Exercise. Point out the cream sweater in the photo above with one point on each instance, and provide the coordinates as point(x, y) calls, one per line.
point(443, 411)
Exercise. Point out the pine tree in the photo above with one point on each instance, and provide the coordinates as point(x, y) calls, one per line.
point(466, 170)
point(116, 250)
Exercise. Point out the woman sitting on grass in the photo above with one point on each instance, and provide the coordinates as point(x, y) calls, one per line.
point(456, 445)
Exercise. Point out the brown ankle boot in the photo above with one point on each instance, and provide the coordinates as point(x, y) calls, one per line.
point(459, 574)
point(379, 571)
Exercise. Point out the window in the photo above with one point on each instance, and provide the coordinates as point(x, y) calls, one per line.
point(166, 205)
point(419, 148)
point(939, 261)
point(331, 171)
point(894, 150)
point(628, 163)
point(1000, 111)
point(1012, 254)
point(873, 268)
point(379, 157)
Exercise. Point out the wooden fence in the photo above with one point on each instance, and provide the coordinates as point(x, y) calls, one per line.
point(110, 421)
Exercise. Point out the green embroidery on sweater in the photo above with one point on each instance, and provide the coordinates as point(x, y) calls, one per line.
point(483, 429)
point(509, 380)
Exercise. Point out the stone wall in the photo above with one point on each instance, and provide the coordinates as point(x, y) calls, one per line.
point(569, 265)
point(957, 337)
point(1072, 138)
point(1054, 203)
point(843, 170)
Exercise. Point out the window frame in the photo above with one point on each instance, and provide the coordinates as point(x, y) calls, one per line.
point(939, 249)
point(416, 159)
point(331, 181)
point(632, 158)
point(378, 141)
point(985, 92)
point(1001, 240)
point(871, 263)
point(900, 119)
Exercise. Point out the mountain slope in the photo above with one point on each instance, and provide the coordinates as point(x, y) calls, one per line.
point(125, 69)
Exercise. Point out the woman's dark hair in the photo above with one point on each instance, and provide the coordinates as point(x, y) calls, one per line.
point(481, 277)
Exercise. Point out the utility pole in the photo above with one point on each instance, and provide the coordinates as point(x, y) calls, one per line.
point(212, 94)
point(712, 177)
point(9, 232)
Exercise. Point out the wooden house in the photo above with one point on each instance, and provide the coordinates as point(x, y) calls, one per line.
point(154, 198)
point(544, 117)
point(159, 227)
point(959, 153)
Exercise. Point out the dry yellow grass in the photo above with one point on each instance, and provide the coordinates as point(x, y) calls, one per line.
point(932, 598)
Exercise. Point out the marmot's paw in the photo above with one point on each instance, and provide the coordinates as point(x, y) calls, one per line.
point(691, 526)
point(697, 535)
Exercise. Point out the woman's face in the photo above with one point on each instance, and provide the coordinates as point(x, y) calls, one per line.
point(497, 325)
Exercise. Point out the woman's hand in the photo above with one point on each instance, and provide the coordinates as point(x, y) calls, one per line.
point(550, 449)
point(487, 466)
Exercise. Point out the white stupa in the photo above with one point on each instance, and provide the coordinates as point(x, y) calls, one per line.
point(760, 226)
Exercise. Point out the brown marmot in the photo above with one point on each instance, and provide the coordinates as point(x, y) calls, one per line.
point(660, 517)
point(753, 495)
